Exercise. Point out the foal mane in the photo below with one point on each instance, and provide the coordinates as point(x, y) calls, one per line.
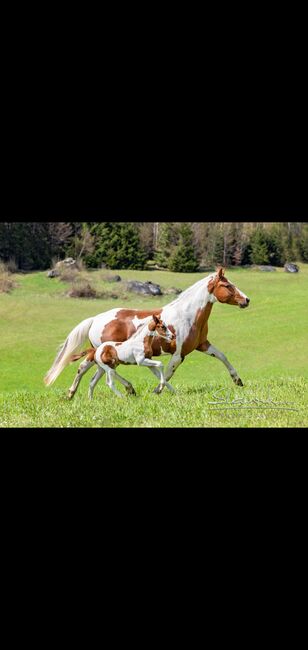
point(140, 327)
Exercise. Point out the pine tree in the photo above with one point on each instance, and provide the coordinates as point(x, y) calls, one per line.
point(117, 245)
point(303, 242)
point(259, 248)
point(184, 258)
point(166, 238)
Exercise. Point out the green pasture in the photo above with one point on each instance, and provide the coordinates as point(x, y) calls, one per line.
point(266, 343)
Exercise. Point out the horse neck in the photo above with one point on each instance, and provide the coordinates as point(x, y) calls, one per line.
point(190, 301)
point(139, 336)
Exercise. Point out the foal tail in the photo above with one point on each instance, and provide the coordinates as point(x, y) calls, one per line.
point(76, 338)
point(90, 352)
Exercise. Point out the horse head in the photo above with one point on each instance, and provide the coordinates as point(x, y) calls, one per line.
point(224, 291)
point(159, 328)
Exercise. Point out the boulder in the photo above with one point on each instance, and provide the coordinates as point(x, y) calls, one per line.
point(69, 262)
point(291, 268)
point(53, 274)
point(266, 267)
point(113, 278)
point(172, 290)
point(147, 288)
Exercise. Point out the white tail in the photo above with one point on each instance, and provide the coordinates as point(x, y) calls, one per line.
point(76, 338)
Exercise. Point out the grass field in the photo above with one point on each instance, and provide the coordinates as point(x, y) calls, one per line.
point(266, 343)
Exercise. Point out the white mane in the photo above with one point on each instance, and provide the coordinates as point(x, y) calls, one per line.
point(192, 290)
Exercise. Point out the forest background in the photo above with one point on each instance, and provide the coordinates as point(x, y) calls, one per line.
point(174, 246)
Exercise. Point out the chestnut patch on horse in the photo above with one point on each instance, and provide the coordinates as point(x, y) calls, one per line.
point(125, 314)
point(109, 356)
point(147, 345)
point(198, 331)
point(223, 290)
point(89, 353)
point(122, 328)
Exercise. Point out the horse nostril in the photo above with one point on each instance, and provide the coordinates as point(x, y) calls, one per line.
point(248, 301)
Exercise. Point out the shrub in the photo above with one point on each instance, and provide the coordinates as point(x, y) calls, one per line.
point(68, 275)
point(6, 283)
point(82, 290)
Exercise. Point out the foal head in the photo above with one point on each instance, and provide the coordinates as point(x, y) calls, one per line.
point(159, 328)
point(225, 291)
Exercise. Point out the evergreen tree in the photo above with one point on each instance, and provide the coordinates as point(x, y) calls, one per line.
point(303, 243)
point(184, 257)
point(216, 253)
point(117, 245)
point(259, 248)
point(166, 239)
point(275, 245)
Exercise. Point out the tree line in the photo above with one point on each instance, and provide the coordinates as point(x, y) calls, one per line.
point(174, 246)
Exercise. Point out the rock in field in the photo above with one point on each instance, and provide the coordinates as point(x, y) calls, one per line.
point(147, 288)
point(53, 274)
point(291, 268)
point(113, 278)
point(266, 267)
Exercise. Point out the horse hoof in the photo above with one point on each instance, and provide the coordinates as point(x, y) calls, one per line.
point(70, 395)
point(238, 381)
point(158, 390)
point(131, 390)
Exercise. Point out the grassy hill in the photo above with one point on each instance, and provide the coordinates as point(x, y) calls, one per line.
point(267, 344)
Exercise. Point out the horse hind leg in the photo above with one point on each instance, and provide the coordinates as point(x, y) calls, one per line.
point(128, 386)
point(83, 368)
point(109, 380)
point(210, 349)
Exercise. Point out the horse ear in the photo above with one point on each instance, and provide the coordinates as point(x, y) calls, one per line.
point(220, 272)
point(155, 319)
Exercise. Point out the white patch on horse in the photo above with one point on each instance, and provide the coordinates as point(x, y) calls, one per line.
point(139, 321)
point(98, 325)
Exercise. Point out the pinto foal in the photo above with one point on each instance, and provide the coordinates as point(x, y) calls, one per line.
point(137, 350)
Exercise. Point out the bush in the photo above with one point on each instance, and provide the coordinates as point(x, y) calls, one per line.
point(68, 275)
point(82, 290)
point(6, 283)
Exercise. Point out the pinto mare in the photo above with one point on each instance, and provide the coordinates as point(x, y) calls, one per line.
point(137, 350)
point(187, 316)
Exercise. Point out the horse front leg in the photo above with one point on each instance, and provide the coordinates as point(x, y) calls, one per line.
point(99, 373)
point(83, 368)
point(173, 364)
point(150, 363)
point(208, 348)
point(155, 372)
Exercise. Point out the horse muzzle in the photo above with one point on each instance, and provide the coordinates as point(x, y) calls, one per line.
point(245, 304)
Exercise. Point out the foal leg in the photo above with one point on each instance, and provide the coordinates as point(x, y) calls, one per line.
point(83, 368)
point(207, 348)
point(149, 363)
point(110, 382)
point(99, 373)
point(173, 364)
point(156, 372)
point(128, 386)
